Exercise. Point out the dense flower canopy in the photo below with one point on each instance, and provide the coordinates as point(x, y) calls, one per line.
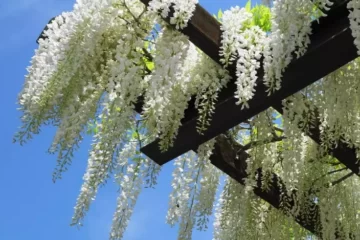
point(96, 65)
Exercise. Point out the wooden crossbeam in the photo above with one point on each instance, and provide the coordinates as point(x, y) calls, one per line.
point(43, 31)
point(331, 47)
point(344, 153)
point(229, 158)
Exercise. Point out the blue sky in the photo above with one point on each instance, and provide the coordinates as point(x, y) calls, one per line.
point(31, 206)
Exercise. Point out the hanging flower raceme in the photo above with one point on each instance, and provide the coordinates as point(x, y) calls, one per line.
point(126, 82)
point(130, 176)
point(208, 79)
point(59, 44)
point(262, 143)
point(354, 17)
point(295, 145)
point(169, 88)
point(245, 42)
point(110, 137)
point(338, 214)
point(125, 85)
point(64, 49)
point(210, 179)
point(47, 66)
point(291, 28)
point(237, 214)
point(182, 177)
point(336, 99)
point(130, 189)
point(78, 67)
point(81, 99)
point(183, 10)
point(195, 181)
point(235, 21)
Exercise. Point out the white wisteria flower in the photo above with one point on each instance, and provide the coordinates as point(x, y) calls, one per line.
point(183, 10)
point(291, 28)
point(354, 17)
point(238, 40)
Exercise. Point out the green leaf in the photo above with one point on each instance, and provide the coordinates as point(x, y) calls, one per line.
point(92, 128)
point(137, 160)
point(135, 135)
point(262, 17)
point(150, 65)
point(278, 115)
point(146, 45)
point(220, 14)
point(248, 6)
point(255, 131)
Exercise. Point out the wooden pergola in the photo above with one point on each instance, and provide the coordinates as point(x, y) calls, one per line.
point(322, 57)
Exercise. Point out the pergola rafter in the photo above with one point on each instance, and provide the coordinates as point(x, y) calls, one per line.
point(204, 32)
point(345, 154)
point(229, 157)
point(322, 57)
point(329, 33)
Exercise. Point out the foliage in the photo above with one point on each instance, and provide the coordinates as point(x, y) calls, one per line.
point(261, 16)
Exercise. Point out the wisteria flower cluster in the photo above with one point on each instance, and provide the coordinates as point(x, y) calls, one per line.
point(291, 28)
point(183, 10)
point(238, 40)
point(354, 17)
point(167, 94)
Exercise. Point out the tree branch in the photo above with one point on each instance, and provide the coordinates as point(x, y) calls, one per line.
point(337, 170)
point(329, 173)
point(278, 129)
point(262, 142)
point(147, 54)
point(342, 179)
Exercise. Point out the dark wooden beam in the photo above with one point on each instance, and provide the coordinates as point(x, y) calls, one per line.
point(229, 158)
point(203, 30)
point(331, 47)
point(202, 34)
point(344, 153)
point(43, 31)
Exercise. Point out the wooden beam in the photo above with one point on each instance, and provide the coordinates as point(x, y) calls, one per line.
point(43, 31)
point(344, 153)
point(228, 157)
point(204, 32)
point(331, 47)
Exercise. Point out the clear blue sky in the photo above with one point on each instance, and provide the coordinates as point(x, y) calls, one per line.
point(31, 206)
